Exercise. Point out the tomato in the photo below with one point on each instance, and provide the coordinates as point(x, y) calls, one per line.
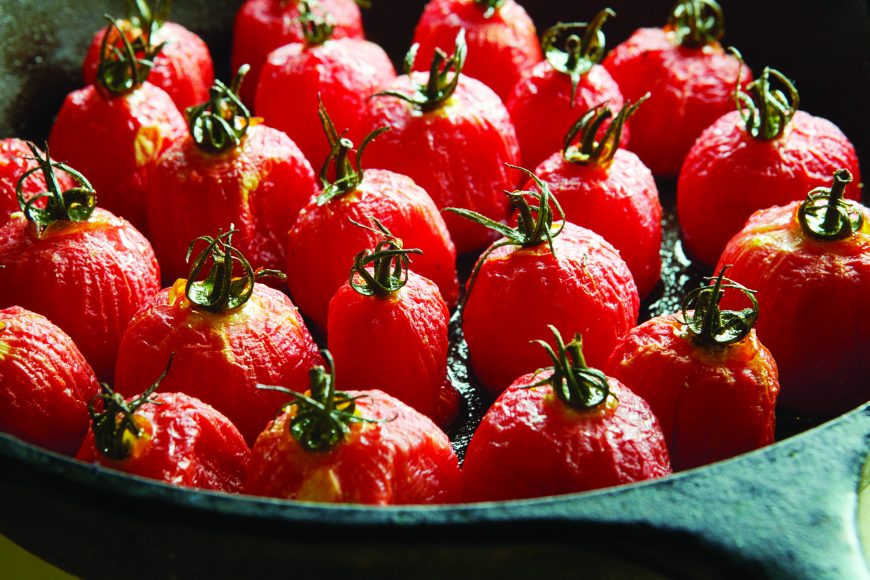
point(388, 330)
point(45, 382)
point(502, 40)
point(705, 374)
point(224, 344)
point(689, 76)
point(768, 153)
point(15, 160)
point(361, 447)
point(453, 139)
point(812, 282)
point(565, 429)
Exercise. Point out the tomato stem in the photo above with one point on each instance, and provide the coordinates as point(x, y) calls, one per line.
point(220, 123)
point(124, 64)
point(489, 7)
point(317, 27)
point(706, 323)
point(697, 23)
point(826, 215)
point(766, 111)
point(389, 261)
point(588, 151)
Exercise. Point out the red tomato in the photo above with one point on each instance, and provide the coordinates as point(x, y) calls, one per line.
point(714, 401)
point(45, 382)
point(15, 160)
point(730, 173)
point(813, 297)
point(690, 79)
point(502, 40)
point(532, 442)
point(264, 25)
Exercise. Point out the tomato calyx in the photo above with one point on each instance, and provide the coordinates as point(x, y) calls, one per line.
point(766, 110)
point(489, 7)
point(697, 23)
point(220, 291)
point(76, 204)
point(444, 73)
point(826, 215)
point(116, 427)
point(220, 123)
point(573, 48)
point(317, 26)
point(588, 150)
point(709, 326)
point(125, 64)
point(389, 263)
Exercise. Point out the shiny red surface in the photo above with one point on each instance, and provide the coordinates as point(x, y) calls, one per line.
point(15, 160)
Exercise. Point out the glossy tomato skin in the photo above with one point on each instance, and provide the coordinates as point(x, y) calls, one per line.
point(728, 175)
point(258, 187)
point(397, 342)
point(457, 153)
point(689, 89)
point(264, 25)
point(116, 142)
point(712, 403)
point(188, 443)
point(323, 241)
point(500, 47)
point(620, 201)
point(344, 73)
point(530, 444)
point(183, 68)
point(45, 382)
point(89, 278)
point(403, 458)
point(585, 288)
point(540, 107)
point(812, 295)
point(220, 358)
point(15, 160)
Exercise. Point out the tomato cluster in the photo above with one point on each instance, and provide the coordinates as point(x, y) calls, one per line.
point(216, 380)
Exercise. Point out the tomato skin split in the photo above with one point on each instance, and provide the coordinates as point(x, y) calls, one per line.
point(14, 162)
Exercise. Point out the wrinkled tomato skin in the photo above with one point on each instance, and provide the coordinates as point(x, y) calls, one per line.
point(45, 382)
point(323, 241)
point(402, 458)
point(813, 302)
point(500, 47)
point(183, 68)
point(258, 187)
point(343, 73)
point(689, 89)
point(264, 25)
point(115, 142)
point(540, 107)
point(89, 278)
point(397, 342)
point(712, 403)
point(530, 444)
point(15, 161)
point(619, 201)
point(457, 153)
point(189, 443)
point(585, 288)
point(728, 175)
point(220, 358)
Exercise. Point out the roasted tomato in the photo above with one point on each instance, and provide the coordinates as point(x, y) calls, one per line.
point(324, 240)
point(610, 191)
point(502, 40)
point(556, 91)
point(352, 447)
point(452, 135)
point(706, 376)
point(114, 131)
point(542, 272)
point(183, 68)
point(264, 25)
point(564, 429)
point(810, 263)
point(15, 160)
point(689, 76)
point(765, 153)
point(342, 73)
point(81, 267)
point(388, 330)
point(229, 333)
point(171, 437)
point(229, 169)
point(45, 382)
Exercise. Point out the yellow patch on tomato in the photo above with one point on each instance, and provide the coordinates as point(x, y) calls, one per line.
point(322, 485)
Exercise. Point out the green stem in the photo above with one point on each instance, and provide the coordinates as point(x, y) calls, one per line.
point(697, 23)
point(125, 65)
point(317, 27)
point(826, 215)
point(389, 262)
point(766, 111)
point(708, 325)
point(589, 151)
point(219, 124)
point(489, 7)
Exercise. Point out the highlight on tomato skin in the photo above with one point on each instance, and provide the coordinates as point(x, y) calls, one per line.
point(45, 382)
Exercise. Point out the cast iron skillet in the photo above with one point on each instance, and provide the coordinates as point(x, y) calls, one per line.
point(792, 510)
